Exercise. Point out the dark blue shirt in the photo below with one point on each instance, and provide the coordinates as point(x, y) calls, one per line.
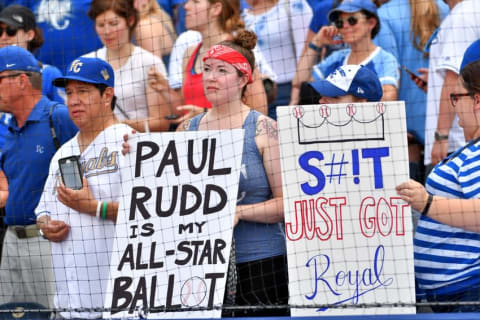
point(26, 156)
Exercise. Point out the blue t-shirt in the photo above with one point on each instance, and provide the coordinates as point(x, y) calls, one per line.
point(26, 156)
point(383, 63)
point(447, 259)
point(320, 12)
point(67, 29)
point(395, 37)
point(49, 73)
point(253, 240)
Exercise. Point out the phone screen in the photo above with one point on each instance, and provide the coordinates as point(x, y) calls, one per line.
point(71, 175)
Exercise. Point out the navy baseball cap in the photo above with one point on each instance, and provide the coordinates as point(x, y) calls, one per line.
point(356, 80)
point(14, 58)
point(89, 70)
point(352, 6)
point(472, 54)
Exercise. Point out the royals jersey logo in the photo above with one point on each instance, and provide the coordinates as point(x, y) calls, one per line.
point(56, 13)
point(105, 163)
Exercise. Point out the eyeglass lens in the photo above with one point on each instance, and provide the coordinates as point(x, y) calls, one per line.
point(352, 20)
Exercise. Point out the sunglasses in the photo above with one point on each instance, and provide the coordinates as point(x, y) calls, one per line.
point(352, 20)
point(454, 97)
point(9, 31)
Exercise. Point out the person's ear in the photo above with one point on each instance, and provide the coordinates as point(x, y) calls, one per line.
point(476, 101)
point(216, 9)
point(108, 96)
point(372, 23)
point(30, 35)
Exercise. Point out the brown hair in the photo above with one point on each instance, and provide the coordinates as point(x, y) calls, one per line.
point(229, 19)
point(424, 20)
point(122, 8)
point(471, 77)
point(37, 40)
point(244, 41)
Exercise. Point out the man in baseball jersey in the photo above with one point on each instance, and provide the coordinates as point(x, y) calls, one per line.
point(80, 223)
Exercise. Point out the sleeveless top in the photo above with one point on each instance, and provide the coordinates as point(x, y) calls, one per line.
point(193, 87)
point(253, 240)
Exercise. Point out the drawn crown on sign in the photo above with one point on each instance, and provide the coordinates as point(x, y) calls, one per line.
point(340, 126)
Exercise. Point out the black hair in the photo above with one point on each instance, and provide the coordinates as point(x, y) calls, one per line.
point(102, 87)
point(369, 15)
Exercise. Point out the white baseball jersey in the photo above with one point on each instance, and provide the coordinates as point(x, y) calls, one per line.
point(459, 29)
point(81, 262)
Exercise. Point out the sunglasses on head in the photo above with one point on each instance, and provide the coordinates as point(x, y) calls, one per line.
point(9, 30)
point(352, 20)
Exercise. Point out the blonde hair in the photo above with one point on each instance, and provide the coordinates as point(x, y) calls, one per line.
point(163, 16)
point(424, 20)
point(230, 19)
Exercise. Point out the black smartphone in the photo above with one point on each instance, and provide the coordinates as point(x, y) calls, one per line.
point(71, 172)
point(412, 74)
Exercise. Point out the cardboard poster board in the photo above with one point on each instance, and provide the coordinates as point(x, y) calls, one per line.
point(349, 236)
point(174, 227)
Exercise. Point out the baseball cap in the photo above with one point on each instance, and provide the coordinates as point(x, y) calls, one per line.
point(351, 6)
point(90, 70)
point(18, 17)
point(356, 80)
point(472, 54)
point(17, 58)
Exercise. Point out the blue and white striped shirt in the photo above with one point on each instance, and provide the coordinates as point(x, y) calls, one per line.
point(447, 259)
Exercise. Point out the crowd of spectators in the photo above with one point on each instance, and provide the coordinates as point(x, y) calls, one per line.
point(161, 55)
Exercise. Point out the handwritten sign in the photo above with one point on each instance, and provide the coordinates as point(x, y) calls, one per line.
point(174, 225)
point(349, 236)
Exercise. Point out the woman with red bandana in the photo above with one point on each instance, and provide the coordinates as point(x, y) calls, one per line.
point(258, 234)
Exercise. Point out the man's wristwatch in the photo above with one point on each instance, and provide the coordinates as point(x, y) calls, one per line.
point(440, 137)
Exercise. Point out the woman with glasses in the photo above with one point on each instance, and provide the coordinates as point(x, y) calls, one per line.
point(355, 23)
point(19, 28)
point(447, 240)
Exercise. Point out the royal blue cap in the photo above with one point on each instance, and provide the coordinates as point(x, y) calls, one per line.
point(472, 54)
point(18, 59)
point(351, 6)
point(350, 79)
point(89, 70)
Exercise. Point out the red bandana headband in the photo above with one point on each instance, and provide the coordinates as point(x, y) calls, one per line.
point(231, 56)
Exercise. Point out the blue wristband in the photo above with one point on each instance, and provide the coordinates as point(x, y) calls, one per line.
point(314, 47)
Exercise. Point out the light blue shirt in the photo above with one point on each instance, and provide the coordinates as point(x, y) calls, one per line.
point(395, 37)
point(381, 62)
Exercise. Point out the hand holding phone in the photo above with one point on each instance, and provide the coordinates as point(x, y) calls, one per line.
point(414, 76)
point(71, 172)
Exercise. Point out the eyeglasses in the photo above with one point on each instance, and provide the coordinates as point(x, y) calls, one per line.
point(9, 31)
point(352, 20)
point(12, 75)
point(454, 97)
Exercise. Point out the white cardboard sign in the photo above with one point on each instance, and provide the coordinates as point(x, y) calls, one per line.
point(349, 236)
point(174, 225)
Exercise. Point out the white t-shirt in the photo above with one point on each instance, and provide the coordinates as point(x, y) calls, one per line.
point(131, 82)
point(81, 263)
point(457, 31)
point(191, 38)
point(274, 30)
